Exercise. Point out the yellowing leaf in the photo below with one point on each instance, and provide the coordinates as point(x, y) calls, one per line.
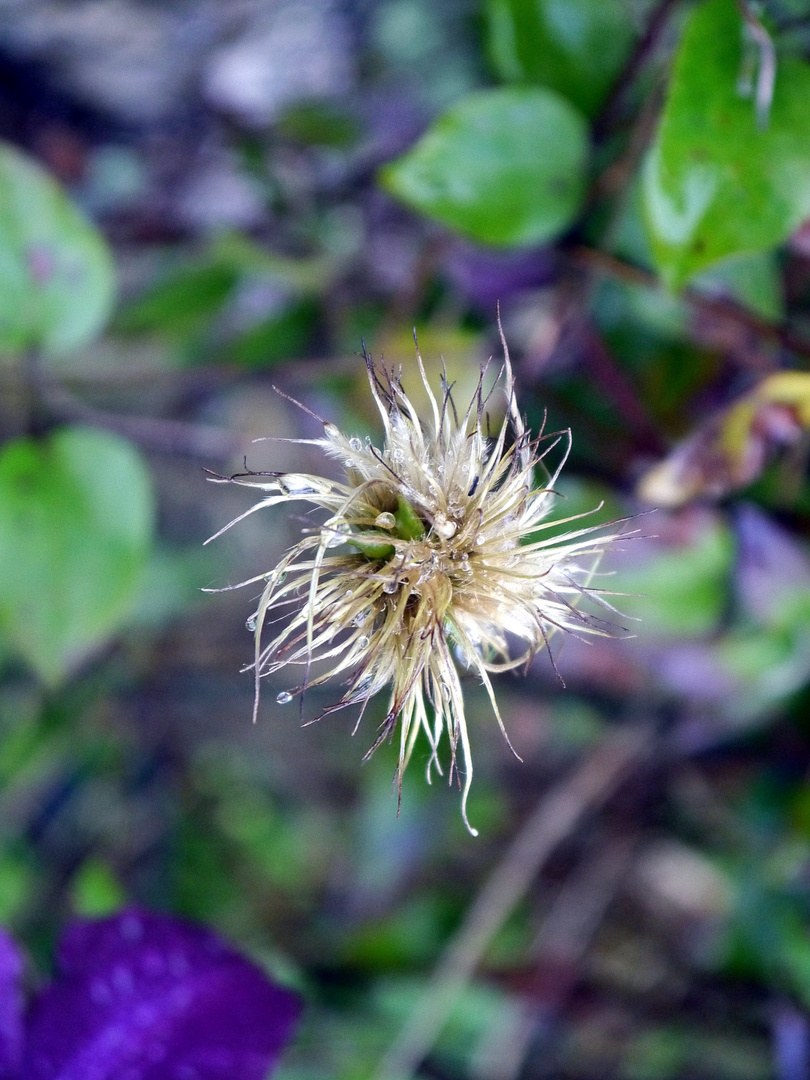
point(730, 450)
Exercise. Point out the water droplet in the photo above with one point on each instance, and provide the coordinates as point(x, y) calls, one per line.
point(397, 454)
point(361, 617)
point(480, 539)
point(355, 444)
point(367, 441)
point(362, 642)
point(330, 430)
point(100, 992)
point(385, 521)
point(178, 965)
point(123, 980)
point(443, 527)
point(338, 533)
point(251, 623)
point(153, 963)
point(296, 485)
point(390, 587)
point(283, 697)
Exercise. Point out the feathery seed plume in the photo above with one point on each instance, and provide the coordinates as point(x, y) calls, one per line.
point(431, 557)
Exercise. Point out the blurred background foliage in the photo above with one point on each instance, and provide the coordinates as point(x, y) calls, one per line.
point(202, 201)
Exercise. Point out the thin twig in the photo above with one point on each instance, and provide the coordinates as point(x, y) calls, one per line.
point(605, 263)
point(638, 58)
point(557, 814)
point(561, 944)
point(178, 438)
point(34, 384)
point(618, 388)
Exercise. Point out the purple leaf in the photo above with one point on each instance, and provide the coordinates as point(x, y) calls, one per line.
point(148, 997)
point(11, 1009)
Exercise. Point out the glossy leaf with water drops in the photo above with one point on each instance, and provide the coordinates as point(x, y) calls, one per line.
point(76, 521)
point(503, 167)
point(717, 182)
point(141, 996)
point(57, 282)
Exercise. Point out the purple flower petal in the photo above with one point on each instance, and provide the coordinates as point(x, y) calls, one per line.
point(148, 997)
point(11, 1007)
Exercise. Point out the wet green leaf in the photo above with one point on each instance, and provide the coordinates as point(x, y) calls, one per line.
point(574, 46)
point(76, 516)
point(716, 183)
point(504, 167)
point(56, 274)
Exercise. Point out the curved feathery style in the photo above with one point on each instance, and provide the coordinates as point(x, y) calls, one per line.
point(431, 556)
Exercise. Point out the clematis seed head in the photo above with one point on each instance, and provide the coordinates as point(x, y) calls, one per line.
point(431, 558)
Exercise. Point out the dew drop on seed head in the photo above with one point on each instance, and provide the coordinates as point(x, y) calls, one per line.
point(390, 587)
point(443, 527)
point(338, 534)
point(355, 444)
point(397, 454)
point(283, 697)
point(385, 520)
point(296, 485)
point(251, 623)
point(362, 642)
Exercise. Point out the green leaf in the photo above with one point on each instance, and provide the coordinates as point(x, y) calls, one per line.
point(179, 304)
point(56, 274)
point(753, 280)
point(504, 167)
point(575, 46)
point(715, 183)
point(76, 513)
